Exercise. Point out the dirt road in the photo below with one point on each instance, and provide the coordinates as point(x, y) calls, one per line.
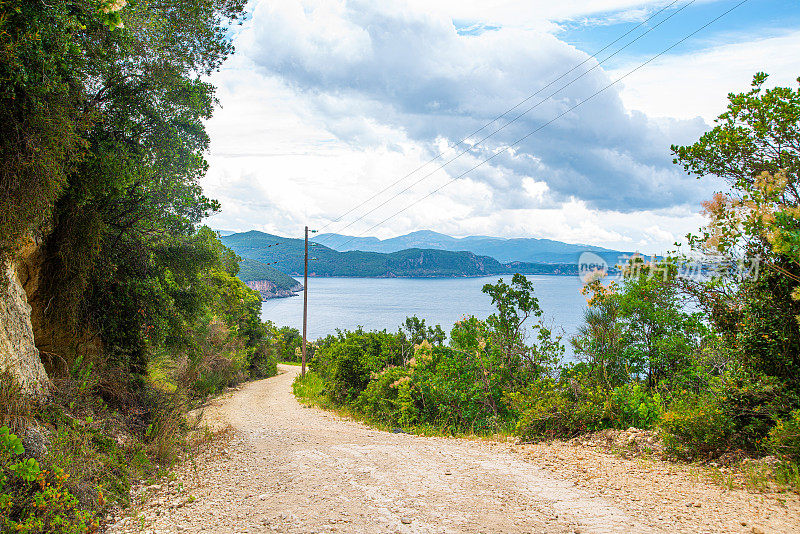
point(288, 468)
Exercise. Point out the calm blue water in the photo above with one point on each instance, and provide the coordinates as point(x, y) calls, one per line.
point(384, 303)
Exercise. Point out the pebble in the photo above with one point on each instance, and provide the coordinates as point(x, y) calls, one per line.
point(405, 520)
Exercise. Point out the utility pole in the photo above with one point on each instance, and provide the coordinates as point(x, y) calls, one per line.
point(305, 306)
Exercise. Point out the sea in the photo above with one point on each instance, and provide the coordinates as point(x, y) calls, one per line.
point(384, 303)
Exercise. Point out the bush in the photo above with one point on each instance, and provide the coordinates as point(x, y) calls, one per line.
point(696, 426)
point(347, 363)
point(784, 438)
point(33, 500)
point(311, 389)
point(558, 409)
point(388, 398)
point(263, 362)
point(634, 405)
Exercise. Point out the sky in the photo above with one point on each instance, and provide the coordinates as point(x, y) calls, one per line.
point(381, 118)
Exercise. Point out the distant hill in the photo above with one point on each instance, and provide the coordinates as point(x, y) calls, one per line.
point(411, 263)
point(526, 250)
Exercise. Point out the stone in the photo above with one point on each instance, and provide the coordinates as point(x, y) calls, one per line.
point(18, 353)
point(405, 520)
point(35, 439)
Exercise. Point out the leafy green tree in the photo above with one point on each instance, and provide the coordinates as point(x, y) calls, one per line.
point(42, 63)
point(121, 255)
point(756, 148)
point(417, 332)
point(516, 304)
point(599, 341)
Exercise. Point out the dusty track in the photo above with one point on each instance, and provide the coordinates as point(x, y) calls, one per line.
point(287, 468)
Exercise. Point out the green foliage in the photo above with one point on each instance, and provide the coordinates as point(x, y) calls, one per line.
point(412, 379)
point(784, 437)
point(417, 332)
point(575, 404)
point(388, 399)
point(559, 408)
point(103, 106)
point(757, 133)
point(348, 363)
point(311, 389)
point(696, 426)
point(33, 500)
point(755, 148)
point(41, 62)
point(634, 405)
point(288, 343)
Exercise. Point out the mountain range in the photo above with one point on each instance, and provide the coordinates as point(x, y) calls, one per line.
point(426, 255)
point(504, 250)
point(287, 254)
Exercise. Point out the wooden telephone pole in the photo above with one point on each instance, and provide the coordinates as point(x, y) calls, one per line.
point(305, 305)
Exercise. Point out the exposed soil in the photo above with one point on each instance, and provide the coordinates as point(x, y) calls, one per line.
point(287, 468)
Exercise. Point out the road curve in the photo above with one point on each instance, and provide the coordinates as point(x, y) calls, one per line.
point(290, 468)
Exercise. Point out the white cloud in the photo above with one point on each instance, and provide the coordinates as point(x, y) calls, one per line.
point(390, 68)
point(329, 102)
point(696, 84)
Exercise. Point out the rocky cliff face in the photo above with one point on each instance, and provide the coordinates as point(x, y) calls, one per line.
point(18, 353)
point(269, 290)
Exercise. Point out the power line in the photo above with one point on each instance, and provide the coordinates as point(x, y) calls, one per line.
point(518, 141)
point(515, 119)
point(655, 14)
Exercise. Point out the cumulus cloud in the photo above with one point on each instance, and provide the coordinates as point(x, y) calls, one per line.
point(690, 85)
point(369, 67)
point(328, 102)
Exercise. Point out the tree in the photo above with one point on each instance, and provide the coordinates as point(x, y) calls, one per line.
point(756, 148)
point(417, 332)
point(516, 304)
point(121, 254)
point(42, 63)
point(599, 342)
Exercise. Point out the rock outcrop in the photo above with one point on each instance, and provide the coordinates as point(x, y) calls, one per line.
point(269, 290)
point(18, 353)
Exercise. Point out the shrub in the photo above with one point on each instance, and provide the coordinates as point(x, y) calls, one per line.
point(696, 426)
point(33, 500)
point(388, 398)
point(634, 405)
point(564, 408)
point(346, 363)
point(784, 438)
point(263, 362)
point(310, 389)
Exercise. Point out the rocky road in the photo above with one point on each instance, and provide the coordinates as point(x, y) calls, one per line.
point(287, 468)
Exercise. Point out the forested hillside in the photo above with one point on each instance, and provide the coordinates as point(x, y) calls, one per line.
point(250, 270)
point(525, 250)
point(287, 255)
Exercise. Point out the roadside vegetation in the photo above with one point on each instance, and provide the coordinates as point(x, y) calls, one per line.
point(711, 363)
point(136, 309)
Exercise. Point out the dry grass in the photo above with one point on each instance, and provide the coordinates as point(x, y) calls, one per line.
point(16, 408)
